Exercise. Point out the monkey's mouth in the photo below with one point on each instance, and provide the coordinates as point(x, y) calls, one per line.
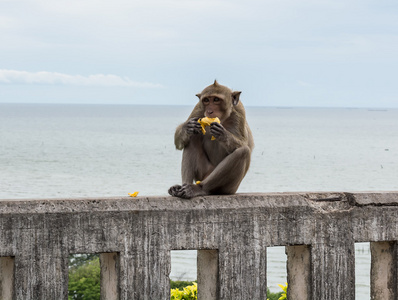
point(212, 115)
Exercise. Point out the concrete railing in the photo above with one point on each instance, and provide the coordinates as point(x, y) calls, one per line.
point(134, 237)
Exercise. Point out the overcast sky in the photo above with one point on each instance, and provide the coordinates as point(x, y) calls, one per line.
point(277, 52)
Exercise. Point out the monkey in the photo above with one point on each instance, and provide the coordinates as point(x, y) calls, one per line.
point(216, 165)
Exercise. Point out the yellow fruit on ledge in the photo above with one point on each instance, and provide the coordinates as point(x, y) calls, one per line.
point(206, 122)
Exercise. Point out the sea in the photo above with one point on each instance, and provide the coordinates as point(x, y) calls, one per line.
point(68, 150)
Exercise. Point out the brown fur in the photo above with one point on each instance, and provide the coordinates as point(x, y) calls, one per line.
point(219, 164)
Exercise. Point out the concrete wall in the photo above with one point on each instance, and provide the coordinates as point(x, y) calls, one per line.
point(135, 236)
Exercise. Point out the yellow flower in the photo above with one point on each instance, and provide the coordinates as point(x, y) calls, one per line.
point(284, 294)
point(189, 293)
point(135, 194)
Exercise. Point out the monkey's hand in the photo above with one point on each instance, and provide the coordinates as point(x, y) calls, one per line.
point(217, 130)
point(192, 126)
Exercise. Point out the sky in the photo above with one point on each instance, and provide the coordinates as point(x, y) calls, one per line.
point(284, 53)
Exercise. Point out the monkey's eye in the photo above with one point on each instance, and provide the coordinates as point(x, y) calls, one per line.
point(216, 99)
point(206, 100)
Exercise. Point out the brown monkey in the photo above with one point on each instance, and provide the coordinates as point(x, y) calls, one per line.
point(219, 164)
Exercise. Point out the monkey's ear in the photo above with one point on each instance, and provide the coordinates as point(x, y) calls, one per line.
point(199, 95)
point(235, 97)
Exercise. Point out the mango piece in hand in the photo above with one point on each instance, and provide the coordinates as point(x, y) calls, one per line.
point(206, 122)
point(135, 194)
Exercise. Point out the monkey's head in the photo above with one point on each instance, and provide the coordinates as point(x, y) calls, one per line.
point(218, 101)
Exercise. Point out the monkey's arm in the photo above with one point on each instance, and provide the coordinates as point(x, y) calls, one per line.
point(184, 132)
point(181, 137)
point(230, 141)
point(188, 128)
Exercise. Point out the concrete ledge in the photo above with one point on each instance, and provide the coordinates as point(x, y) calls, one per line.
point(373, 198)
point(269, 200)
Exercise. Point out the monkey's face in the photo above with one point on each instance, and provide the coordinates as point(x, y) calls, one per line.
point(217, 101)
point(214, 106)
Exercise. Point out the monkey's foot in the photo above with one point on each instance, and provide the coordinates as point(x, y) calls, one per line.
point(186, 191)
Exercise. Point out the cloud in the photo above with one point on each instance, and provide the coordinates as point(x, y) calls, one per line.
point(53, 78)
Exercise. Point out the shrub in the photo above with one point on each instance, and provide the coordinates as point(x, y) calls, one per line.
point(84, 281)
point(278, 296)
point(179, 284)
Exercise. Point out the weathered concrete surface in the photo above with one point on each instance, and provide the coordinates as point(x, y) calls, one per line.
point(299, 272)
point(384, 270)
point(6, 277)
point(109, 276)
point(40, 235)
point(208, 274)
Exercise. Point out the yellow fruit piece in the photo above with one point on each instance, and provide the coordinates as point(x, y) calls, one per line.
point(206, 122)
point(135, 194)
point(197, 182)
